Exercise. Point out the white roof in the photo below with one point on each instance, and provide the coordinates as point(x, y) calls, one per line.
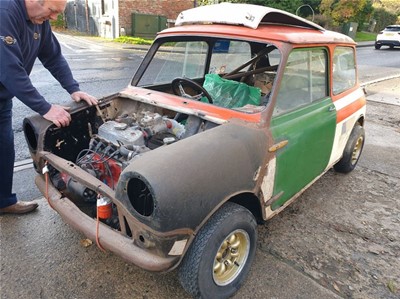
point(248, 15)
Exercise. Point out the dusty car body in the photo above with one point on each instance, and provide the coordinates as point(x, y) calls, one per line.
point(232, 114)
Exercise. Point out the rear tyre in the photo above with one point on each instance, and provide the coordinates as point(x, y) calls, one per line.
point(220, 256)
point(352, 151)
point(377, 47)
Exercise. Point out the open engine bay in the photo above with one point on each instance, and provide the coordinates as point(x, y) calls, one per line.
point(104, 140)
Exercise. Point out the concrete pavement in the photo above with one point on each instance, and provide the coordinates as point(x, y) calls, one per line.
point(41, 257)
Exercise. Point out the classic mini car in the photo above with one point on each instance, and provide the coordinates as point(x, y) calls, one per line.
point(232, 114)
point(390, 36)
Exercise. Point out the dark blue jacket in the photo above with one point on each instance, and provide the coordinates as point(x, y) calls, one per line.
point(21, 42)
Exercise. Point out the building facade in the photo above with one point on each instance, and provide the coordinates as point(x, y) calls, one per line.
point(113, 18)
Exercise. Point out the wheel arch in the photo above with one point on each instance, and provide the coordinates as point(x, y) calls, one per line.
point(360, 121)
point(251, 202)
point(247, 200)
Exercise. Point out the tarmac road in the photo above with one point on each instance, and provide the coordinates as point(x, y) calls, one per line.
point(320, 247)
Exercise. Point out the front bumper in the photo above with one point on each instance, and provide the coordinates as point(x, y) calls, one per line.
point(388, 43)
point(110, 239)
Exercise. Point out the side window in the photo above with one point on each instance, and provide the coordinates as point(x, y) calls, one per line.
point(344, 69)
point(228, 55)
point(304, 80)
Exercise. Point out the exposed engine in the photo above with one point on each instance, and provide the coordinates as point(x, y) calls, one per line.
point(116, 143)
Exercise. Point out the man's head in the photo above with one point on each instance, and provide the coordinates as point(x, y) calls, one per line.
point(43, 10)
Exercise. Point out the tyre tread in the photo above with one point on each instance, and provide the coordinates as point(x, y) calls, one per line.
point(189, 269)
point(344, 165)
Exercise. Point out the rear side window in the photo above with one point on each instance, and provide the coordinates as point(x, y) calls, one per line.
point(228, 55)
point(344, 69)
point(304, 80)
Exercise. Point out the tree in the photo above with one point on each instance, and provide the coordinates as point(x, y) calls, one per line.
point(343, 11)
point(206, 2)
point(383, 18)
point(286, 5)
point(363, 16)
point(314, 4)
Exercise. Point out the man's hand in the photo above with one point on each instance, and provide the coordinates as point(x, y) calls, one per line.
point(58, 115)
point(77, 96)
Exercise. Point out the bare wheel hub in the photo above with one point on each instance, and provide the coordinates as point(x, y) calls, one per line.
point(357, 150)
point(231, 257)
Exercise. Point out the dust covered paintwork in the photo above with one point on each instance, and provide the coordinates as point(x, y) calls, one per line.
point(241, 14)
point(222, 126)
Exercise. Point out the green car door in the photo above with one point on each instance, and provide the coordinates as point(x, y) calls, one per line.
point(303, 123)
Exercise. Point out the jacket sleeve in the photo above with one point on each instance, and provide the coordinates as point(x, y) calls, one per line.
point(13, 75)
point(52, 59)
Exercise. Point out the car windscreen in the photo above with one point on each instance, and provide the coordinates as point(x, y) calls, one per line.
point(234, 72)
point(189, 59)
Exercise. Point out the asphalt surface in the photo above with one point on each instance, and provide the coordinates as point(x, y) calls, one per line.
point(42, 257)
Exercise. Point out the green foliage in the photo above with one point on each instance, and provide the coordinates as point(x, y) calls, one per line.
point(343, 11)
point(383, 18)
point(59, 23)
point(314, 4)
point(133, 40)
point(321, 20)
point(334, 13)
point(392, 6)
point(363, 15)
point(205, 2)
point(392, 286)
point(287, 5)
point(365, 36)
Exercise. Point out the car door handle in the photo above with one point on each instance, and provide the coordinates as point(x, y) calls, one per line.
point(332, 108)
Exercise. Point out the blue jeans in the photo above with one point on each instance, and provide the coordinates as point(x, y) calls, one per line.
point(7, 154)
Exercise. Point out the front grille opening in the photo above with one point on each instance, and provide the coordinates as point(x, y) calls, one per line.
point(140, 197)
point(31, 136)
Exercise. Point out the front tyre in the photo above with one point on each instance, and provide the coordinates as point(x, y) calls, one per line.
point(221, 254)
point(352, 151)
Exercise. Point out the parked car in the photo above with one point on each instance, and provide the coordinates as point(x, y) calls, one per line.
point(390, 36)
point(232, 114)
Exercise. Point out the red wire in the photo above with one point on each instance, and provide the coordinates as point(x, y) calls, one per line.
point(97, 232)
point(46, 175)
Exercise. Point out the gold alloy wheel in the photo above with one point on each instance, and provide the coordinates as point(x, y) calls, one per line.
point(231, 257)
point(357, 150)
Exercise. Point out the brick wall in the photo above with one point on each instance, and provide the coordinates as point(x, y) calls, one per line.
point(168, 8)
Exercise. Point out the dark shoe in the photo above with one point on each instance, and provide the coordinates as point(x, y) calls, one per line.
point(21, 207)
